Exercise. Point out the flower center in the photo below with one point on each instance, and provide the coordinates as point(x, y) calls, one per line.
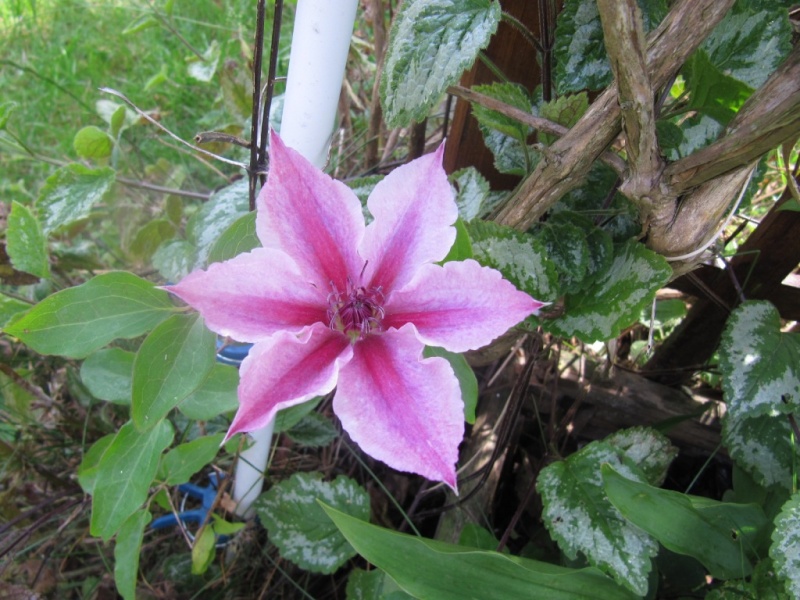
point(356, 311)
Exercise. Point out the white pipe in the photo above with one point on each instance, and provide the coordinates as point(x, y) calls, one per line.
point(320, 43)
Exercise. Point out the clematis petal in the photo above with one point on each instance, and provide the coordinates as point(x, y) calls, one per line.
point(459, 306)
point(414, 212)
point(313, 218)
point(285, 370)
point(252, 296)
point(401, 409)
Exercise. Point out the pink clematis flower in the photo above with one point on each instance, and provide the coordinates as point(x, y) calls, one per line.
point(332, 303)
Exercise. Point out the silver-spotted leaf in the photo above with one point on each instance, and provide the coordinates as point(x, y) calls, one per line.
point(652, 451)
point(472, 191)
point(760, 364)
point(785, 548)
point(298, 525)
point(749, 44)
point(520, 257)
point(431, 44)
point(582, 520)
point(616, 297)
point(763, 446)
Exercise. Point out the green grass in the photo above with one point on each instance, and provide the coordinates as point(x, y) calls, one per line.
point(55, 54)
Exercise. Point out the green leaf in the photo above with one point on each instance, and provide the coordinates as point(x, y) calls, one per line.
point(150, 237)
point(432, 569)
point(124, 475)
point(10, 307)
point(77, 321)
point(362, 187)
point(92, 142)
point(203, 70)
point(223, 527)
point(214, 396)
point(564, 110)
point(6, 108)
point(465, 375)
point(760, 364)
point(118, 121)
point(216, 215)
point(717, 534)
point(472, 192)
point(521, 258)
point(786, 544)
point(171, 363)
point(145, 21)
point(713, 92)
point(462, 246)
point(748, 44)
point(108, 375)
point(289, 417)
point(763, 446)
point(238, 238)
point(298, 526)
point(313, 431)
point(204, 550)
point(174, 259)
point(373, 585)
point(26, 245)
point(581, 519)
point(475, 536)
point(650, 450)
point(70, 193)
point(432, 43)
point(508, 93)
point(616, 298)
point(620, 218)
point(127, 550)
point(87, 471)
point(763, 583)
point(791, 205)
point(185, 460)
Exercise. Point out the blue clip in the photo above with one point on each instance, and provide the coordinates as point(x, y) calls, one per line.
point(206, 495)
point(232, 354)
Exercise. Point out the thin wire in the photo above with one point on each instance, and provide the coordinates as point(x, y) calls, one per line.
point(144, 115)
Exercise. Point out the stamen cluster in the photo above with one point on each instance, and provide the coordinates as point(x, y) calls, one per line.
point(357, 311)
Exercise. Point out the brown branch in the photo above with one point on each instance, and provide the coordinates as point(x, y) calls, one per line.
point(713, 177)
point(679, 34)
point(538, 123)
point(623, 33)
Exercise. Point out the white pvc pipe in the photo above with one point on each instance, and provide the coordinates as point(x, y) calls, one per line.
point(320, 43)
